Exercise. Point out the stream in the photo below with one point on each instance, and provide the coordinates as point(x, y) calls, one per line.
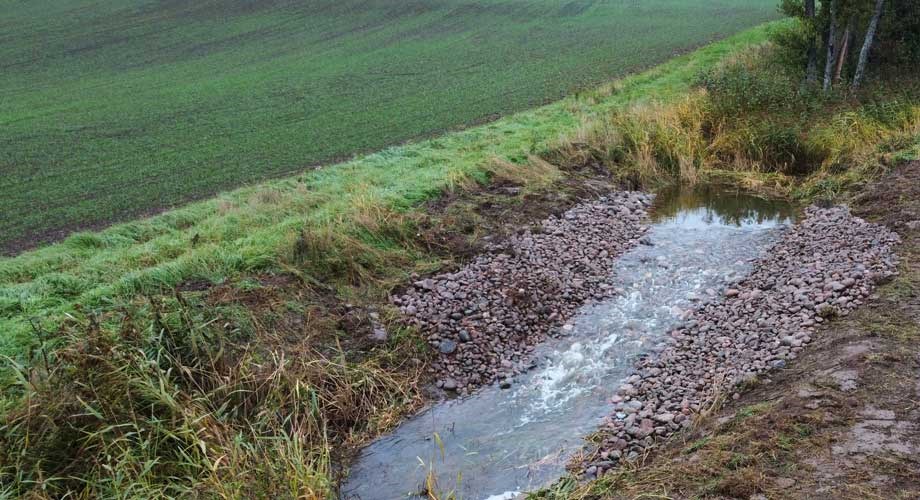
point(498, 443)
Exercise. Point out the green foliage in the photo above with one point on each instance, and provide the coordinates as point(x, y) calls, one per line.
point(752, 114)
point(896, 45)
point(790, 42)
point(117, 108)
point(899, 38)
point(751, 87)
point(761, 115)
point(793, 8)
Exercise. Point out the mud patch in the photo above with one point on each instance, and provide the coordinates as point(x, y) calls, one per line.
point(878, 431)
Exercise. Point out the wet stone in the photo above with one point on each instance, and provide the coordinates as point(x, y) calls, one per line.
point(379, 335)
point(517, 293)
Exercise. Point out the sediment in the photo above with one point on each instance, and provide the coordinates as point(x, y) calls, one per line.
point(824, 266)
point(485, 318)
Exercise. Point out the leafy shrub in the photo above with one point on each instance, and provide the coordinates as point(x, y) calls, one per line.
point(899, 35)
point(756, 83)
point(753, 113)
point(790, 45)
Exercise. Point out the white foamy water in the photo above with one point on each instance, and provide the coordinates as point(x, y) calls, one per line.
point(508, 495)
point(501, 441)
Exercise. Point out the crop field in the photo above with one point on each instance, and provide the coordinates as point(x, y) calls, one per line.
point(112, 109)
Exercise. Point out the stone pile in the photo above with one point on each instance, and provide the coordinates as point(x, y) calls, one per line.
point(487, 317)
point(825, 266)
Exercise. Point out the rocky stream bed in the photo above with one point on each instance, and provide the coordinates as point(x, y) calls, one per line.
point(485, 318)
point(823, 267)
point(489, 318)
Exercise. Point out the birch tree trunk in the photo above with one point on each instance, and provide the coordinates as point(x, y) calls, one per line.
point(867, 44)
point(831, 49)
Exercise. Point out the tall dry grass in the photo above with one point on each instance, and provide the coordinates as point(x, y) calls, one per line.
point(533, 175)
point(164, 400)
point(750, 115)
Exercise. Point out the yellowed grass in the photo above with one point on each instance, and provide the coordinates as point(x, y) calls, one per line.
point(536, 174)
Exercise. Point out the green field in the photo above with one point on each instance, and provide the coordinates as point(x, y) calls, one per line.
point(253, 229)
point(115, 108)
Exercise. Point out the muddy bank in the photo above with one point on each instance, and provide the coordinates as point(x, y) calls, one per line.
point(825, 266)
point(485, 318)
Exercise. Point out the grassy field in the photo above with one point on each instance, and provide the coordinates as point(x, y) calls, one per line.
point(254, 229)
point(116, 108)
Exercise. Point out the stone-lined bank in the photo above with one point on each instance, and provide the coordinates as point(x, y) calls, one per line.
point(824, 266)
point(488, 316)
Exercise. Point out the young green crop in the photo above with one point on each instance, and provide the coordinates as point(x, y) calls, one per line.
point(119, 108)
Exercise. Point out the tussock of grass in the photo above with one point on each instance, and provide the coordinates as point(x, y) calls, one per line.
point(534, 174)
point(858, 145)
point(162, 398)
point(366, 245)
point(660, 142)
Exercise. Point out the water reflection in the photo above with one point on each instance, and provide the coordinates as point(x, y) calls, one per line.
point(720, 204)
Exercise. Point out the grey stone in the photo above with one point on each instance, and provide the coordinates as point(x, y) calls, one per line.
point(447, 346)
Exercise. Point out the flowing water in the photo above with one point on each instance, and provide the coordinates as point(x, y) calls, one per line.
point(497, 443)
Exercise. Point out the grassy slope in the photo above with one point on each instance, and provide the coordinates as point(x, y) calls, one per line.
point(112, 108)
point(254, 229)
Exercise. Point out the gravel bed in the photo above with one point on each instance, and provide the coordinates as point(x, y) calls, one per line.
point(488, 316)
point(824, 266)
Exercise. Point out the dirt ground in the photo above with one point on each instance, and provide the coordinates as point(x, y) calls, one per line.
point(840, 422)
